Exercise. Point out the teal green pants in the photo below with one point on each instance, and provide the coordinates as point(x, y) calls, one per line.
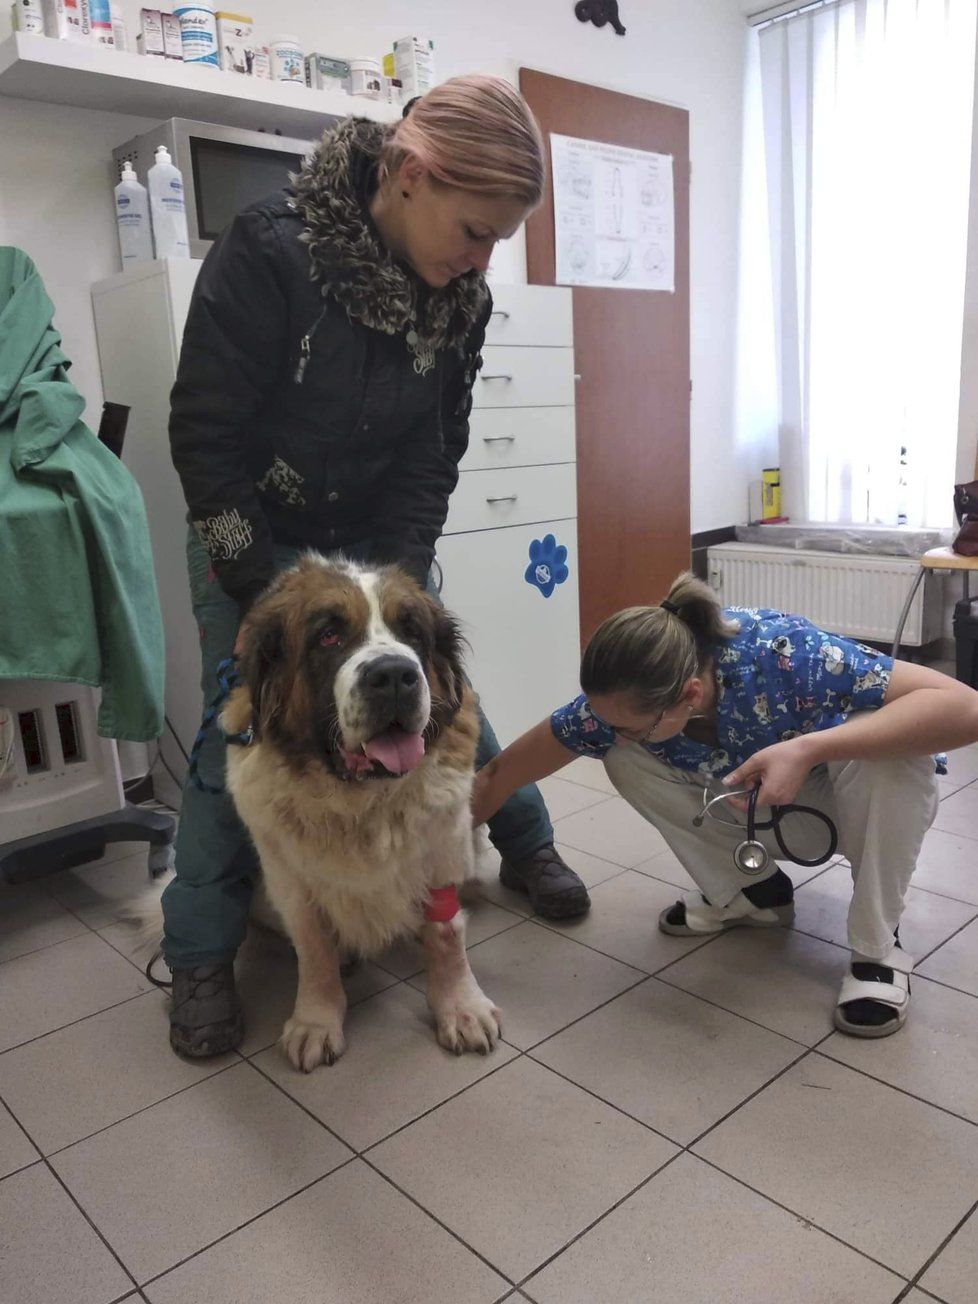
point(205, 907)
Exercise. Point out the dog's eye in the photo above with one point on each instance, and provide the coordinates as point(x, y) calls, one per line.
point(329, 638)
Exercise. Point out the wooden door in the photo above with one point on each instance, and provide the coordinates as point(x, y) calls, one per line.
point(632, 355)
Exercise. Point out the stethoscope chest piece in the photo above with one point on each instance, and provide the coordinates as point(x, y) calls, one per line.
point(751, 857)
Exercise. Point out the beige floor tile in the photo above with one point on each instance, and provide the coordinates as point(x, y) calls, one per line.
point(784, 980)
point(822, 907)
point(15, 1149)
point(962, 764)
point(48, 1252)
point(392, 1072)
point(693, 1235)
point(102, 893)
point(959, 814)
point(613, 831)
point(887, 1174)
point(265, 974)
point(953, 1273)
point(484, 919)
point(592, 870)
point(166, 1183)
point(666, 867)
point(623, 922)
point(934, 1055)
point(565, 798)
point(350, 1239)
point(589, 772)
point(85, 1077)
point(948, 864)
point(62, 983)
point(956, 963)
point(31, 920)
point(541, 980)
point(668, 1059)
point(542, 1160)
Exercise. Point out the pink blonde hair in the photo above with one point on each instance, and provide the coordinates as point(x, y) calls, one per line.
point(476, 133)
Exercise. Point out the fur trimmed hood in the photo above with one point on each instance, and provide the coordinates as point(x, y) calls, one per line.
point(350, 261)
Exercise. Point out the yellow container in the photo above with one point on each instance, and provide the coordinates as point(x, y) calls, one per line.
point(770, 493)
point(388, 64)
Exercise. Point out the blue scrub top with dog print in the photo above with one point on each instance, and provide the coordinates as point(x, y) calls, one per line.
point(778, 677)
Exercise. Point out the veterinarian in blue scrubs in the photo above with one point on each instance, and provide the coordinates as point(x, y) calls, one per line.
point(322, 401)
point(703, 701)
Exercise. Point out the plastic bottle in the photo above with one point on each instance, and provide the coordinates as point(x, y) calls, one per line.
point(288, 60)
point(198, 32)
point(167, 206)
point(119, 33)
point(28, 17)
point(132, 219)
point(100, 17)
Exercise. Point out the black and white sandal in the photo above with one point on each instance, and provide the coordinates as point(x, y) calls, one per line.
point(875, 997)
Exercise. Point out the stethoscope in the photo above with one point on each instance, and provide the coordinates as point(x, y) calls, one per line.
point(751, 856)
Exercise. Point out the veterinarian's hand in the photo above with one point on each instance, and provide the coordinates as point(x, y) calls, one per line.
point(779, 772)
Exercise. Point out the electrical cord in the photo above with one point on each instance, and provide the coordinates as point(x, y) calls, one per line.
point(176, 738)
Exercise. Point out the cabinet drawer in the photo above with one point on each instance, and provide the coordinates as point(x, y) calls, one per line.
point(525, 647)
point(487, 500)
point(531, 314)
point(501, 437)
point(524, 377)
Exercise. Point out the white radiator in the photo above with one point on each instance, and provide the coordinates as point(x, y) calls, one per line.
point(859, 596)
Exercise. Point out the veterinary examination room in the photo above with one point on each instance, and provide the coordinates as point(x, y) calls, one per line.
point(489, 652)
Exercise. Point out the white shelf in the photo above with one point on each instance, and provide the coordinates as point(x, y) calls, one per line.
point(92, 77)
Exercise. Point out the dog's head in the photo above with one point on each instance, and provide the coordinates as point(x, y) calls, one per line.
point(357, 668)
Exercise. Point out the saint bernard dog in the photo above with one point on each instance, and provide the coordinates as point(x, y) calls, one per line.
point(356, 787)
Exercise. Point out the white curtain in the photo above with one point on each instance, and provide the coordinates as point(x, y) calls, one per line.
point(867, 114)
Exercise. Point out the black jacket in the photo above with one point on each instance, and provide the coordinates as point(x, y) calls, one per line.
point(323, 393)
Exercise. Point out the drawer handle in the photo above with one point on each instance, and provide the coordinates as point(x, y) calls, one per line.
point(499, 439)
point(500, 312)
point(496, 377)
point(510, 498)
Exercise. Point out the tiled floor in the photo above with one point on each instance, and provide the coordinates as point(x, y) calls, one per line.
point(667, 1119)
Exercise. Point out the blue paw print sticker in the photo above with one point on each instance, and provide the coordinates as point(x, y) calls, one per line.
point(548, 565)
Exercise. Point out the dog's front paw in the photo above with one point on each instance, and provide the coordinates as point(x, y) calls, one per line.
point(466, 1019)
point(309, 1042)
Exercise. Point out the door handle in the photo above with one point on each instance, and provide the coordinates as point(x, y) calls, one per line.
point(500, 312)
point(499, 439)
point(496, 377)
point(510, 498)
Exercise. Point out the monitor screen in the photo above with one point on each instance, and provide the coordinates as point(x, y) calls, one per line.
point(228, 177)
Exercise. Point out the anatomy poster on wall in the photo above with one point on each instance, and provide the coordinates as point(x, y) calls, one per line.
point(614, 216)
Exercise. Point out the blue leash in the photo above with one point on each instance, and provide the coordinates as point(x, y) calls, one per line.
point(227, 678)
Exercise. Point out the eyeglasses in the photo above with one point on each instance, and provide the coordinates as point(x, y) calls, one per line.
point(635, 735)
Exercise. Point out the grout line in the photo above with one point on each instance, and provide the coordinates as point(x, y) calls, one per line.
point(902, 1090)
point(747, 1099)
point(747, 1019)
point(805, 1218)
point(941, 982)
point(947, 939)
point(36, 950)
point(248, 1221)
point(143, 1109)
point(601, 1217)
point(940, 1250)
point(72, 1022)
point(435, 1219)
point(77, 1203)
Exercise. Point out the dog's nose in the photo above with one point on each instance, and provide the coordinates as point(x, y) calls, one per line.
point(391, 674)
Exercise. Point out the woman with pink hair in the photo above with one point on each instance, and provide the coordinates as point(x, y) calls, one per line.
point(322, 401)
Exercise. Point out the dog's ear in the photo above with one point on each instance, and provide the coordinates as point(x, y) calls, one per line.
point(447, 662)
point(263, 669)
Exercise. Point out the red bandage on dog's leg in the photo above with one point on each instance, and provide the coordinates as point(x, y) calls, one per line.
point(442, 905)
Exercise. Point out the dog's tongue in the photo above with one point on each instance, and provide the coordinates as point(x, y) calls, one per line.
point(397, 751)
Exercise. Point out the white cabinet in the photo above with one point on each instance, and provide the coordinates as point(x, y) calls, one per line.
point(515, 503)
point(517, 485)
point(139, 320)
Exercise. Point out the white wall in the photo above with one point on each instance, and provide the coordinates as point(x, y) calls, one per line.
point(55, 196)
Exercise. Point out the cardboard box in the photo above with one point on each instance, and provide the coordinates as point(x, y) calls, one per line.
point(414, 65)
point(150, 38)
point(172, 40)
point(324, 73)
point(235, 42)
